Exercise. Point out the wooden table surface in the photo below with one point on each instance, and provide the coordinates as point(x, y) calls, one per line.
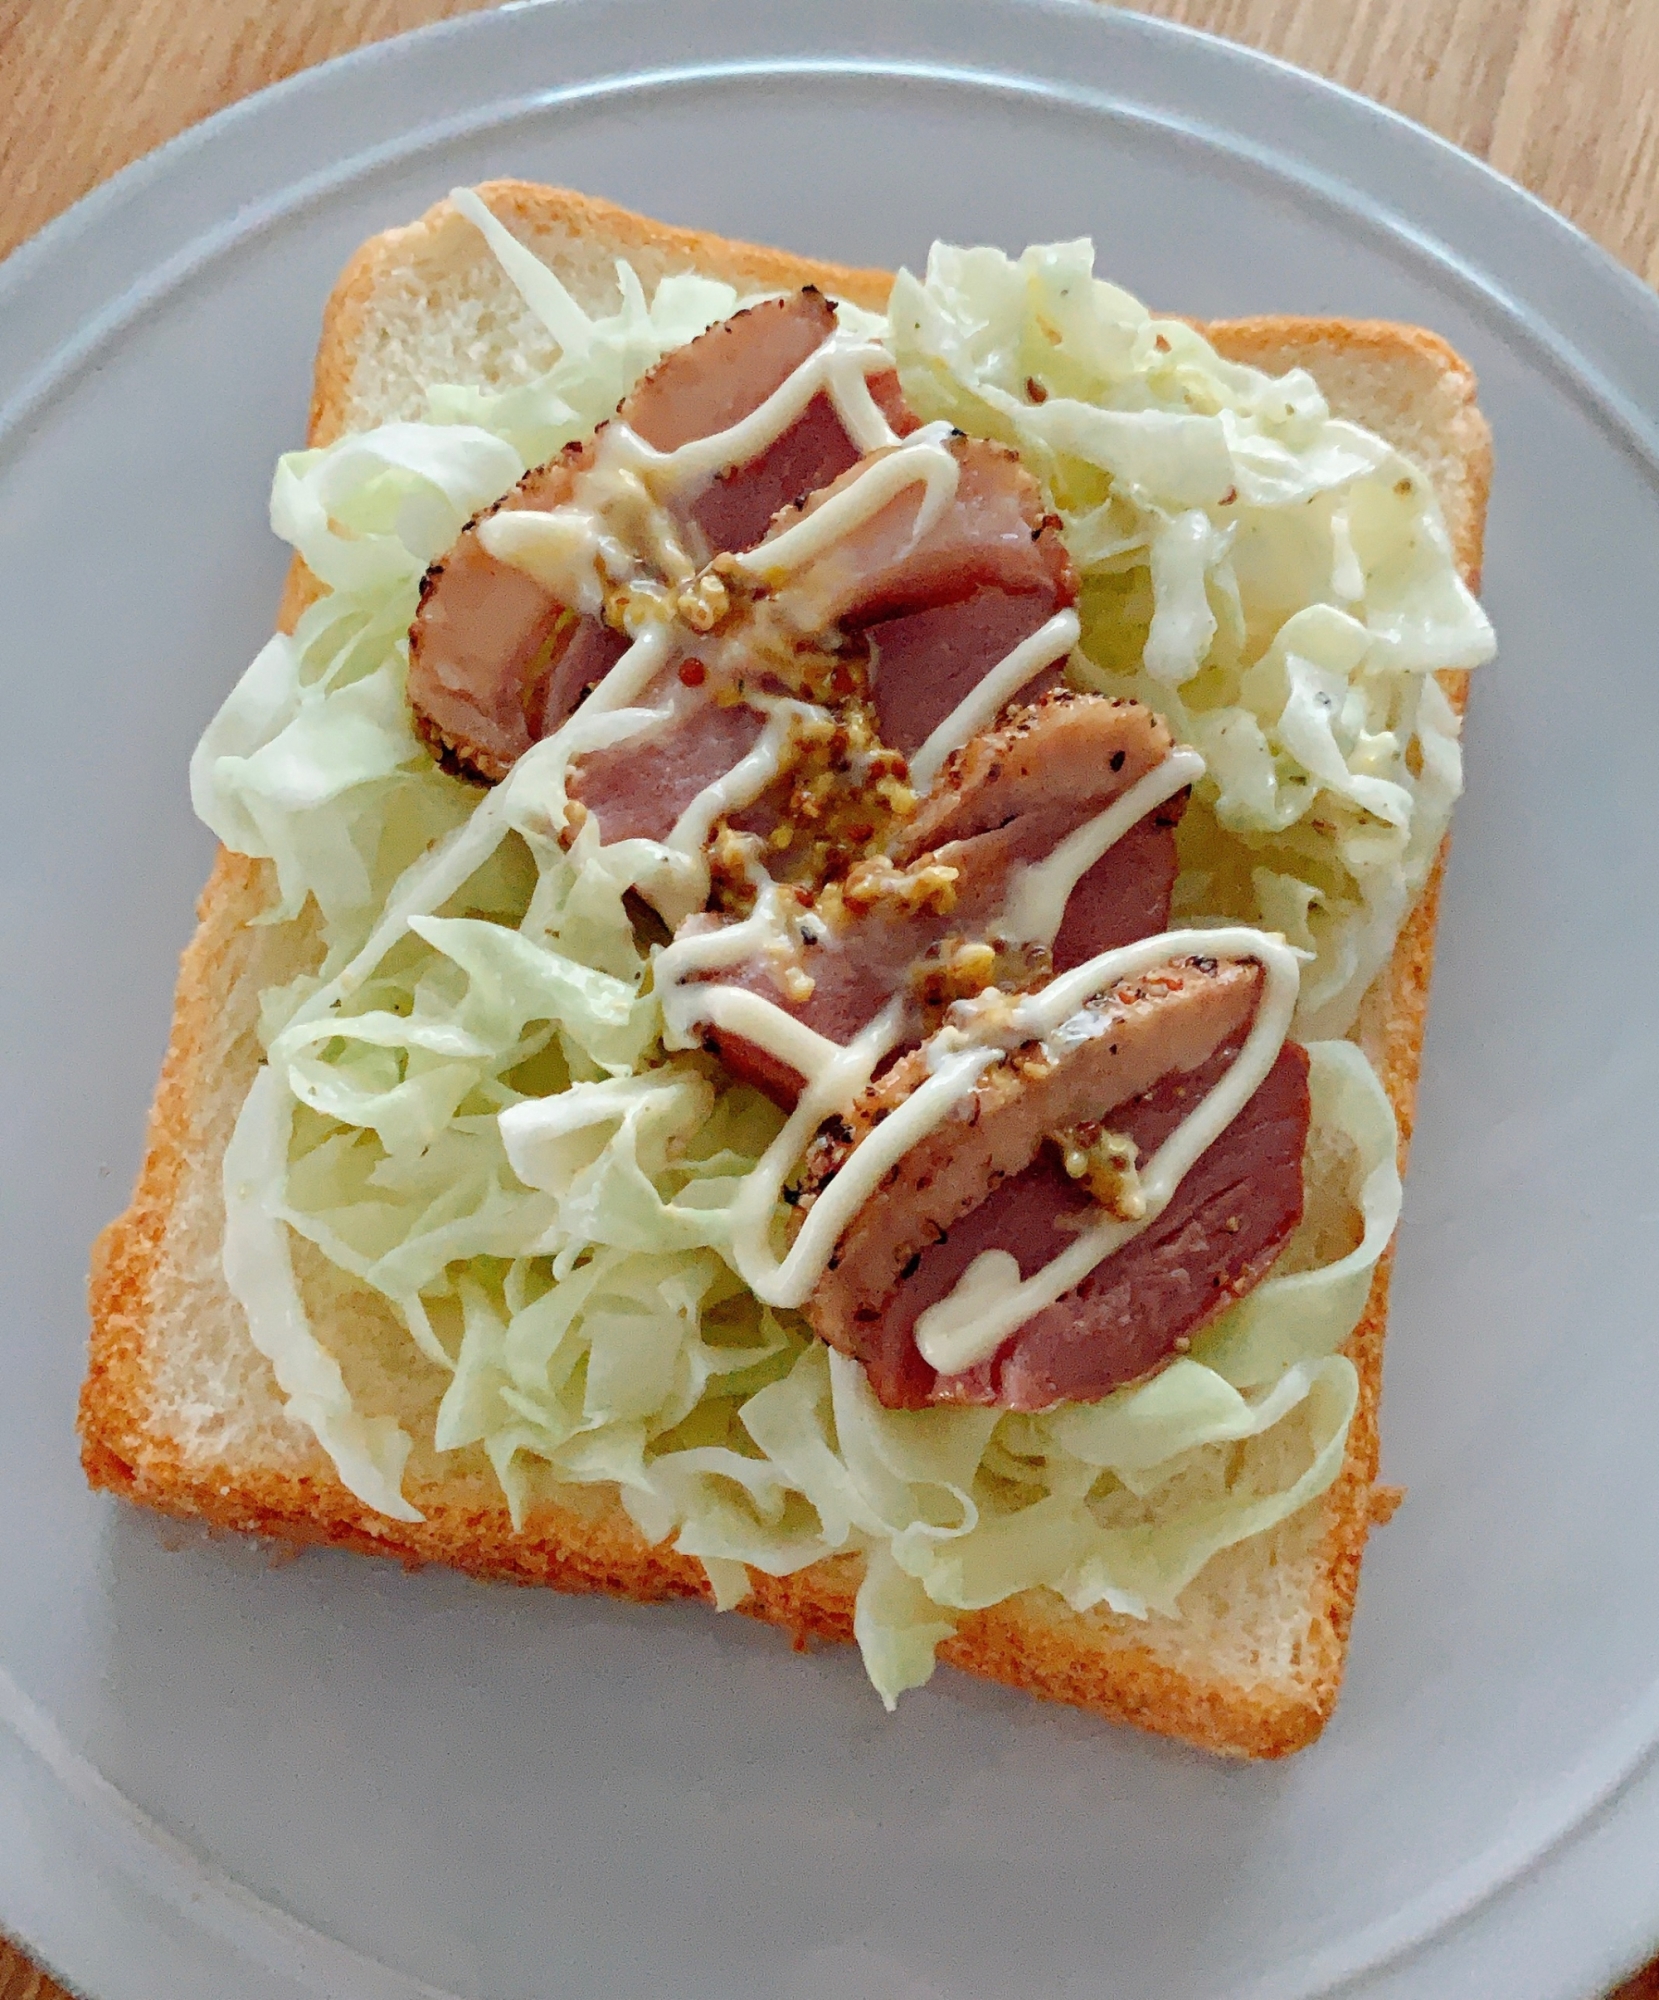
point(1561, 94)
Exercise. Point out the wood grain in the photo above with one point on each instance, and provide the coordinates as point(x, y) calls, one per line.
point(1561, 94)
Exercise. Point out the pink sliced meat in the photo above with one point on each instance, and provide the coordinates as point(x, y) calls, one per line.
point(1045, 771)
point(726, 374)
point(1008, 797)
point(1172, 1017)
point(1050, 766)
point(717, 379)
point(992, 534)
point(992, 529)
point(580, 664)
point(1126, 894)
point(492, 652)
point(1217, 1239)
point(928, 662)
point(639, 788)
point(854, 974)
point(496, 661)
point(990, 1178)
point(736, 508)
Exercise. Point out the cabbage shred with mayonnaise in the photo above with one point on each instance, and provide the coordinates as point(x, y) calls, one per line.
point(467, 1109)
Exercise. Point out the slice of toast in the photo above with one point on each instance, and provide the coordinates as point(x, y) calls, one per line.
point(179, 1410)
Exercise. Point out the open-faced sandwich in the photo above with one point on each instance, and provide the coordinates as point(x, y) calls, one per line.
point(813, 992)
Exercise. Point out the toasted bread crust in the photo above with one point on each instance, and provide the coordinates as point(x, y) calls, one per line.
point(1095, 1662)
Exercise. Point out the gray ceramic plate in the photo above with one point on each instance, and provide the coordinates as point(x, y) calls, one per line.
point(218, 1777)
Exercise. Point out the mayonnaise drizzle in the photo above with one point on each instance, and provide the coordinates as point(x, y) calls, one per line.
point(832, 1084)
point(747, 779)
point(1032, 912)
point(921, 460)
point(751, 1015)
point(842, 366)
point(620, 508)
point(622, 514)
point(561, 548)
point(836, 1076)
point(687, 1003)
point(980, 707)
point(1040, 890)
point(972, 1322)
point(571, 548)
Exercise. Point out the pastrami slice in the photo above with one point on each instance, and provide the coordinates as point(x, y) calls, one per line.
point(991, 534)
point(927, 662)
point(739, 504)
point(1126, 894)
point(487, 641)
point(725, 374)
point(1218, 1238)
point(639, 788)
point(1173, 1017)
point(991, 1176)
point(497, 660)
point(1050, 765)
point(1011, 795)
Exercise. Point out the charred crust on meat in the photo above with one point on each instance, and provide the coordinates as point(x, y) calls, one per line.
point(866, 1316)
point(449, 756)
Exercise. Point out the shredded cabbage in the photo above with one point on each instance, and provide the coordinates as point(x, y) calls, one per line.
point(1277, 582)
point(466, 1106)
